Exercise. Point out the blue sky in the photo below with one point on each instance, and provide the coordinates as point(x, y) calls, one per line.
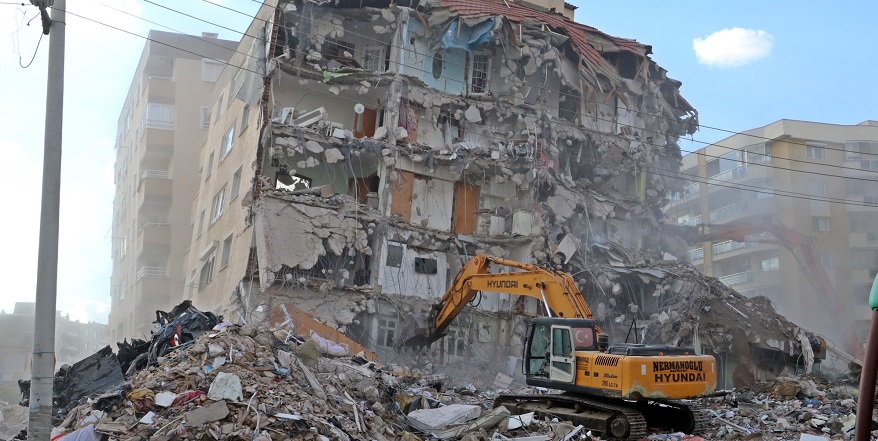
point(820, 65)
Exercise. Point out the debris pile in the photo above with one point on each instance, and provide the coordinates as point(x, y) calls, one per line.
point(13, 419)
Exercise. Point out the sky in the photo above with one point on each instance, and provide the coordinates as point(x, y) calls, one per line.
point(743, 64)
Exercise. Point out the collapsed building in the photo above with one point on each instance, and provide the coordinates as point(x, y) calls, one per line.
point(367, 149)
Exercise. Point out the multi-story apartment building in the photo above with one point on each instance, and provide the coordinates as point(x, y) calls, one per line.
point(73, 340)
point(818, 179)
point(160, 132)
point(360, 152)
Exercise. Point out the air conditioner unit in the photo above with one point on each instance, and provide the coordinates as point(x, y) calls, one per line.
point(308, 118)
point(286, 115)
point(522, 223)
point(331, 127)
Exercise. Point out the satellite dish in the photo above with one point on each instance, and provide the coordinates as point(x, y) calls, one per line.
point(359, 108)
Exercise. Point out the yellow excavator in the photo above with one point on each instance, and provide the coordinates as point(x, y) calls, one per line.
point(618, 389)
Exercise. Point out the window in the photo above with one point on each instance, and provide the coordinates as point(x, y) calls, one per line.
point(820, 223)
point(200, 225)
point(374, 58)
point(333, 48)
point(825, 259)
point(815, 151)
point(479, 70)
point(210, 70)
point(245, 117)
point(455, 343)
point(205, 117)
point(425, 265)
point(209, 166)
point(219, 108)
point(386, 331)
point(237, 84)
point(206, 275)
point(394, 256)
point(568, 103)
point(159, 116)
point(217, 209)
point(437, 65)
point(771, 264)
point(228, 142)
point(858, 226)
point(236, 183)
point(817, 188)
point(758, 153)
point(855, 150)
point(227, 252)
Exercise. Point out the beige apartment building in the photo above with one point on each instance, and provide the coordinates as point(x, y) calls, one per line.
point(160, 132)
point(820, 180)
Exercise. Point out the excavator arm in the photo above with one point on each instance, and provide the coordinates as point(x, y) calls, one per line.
point(556, 290)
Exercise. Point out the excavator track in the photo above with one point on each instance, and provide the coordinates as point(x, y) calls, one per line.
point(615, 419)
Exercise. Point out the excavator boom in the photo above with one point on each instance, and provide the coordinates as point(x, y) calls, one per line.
point(555, 289)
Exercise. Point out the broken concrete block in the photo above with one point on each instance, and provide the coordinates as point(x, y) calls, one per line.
point(473, 115)
point(333, 156)
point(225, 386)
point(440, 418)
point(208, 414)
point(380, 133)
point(314, 147)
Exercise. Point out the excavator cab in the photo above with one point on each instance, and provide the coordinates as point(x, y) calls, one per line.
point(549, 351)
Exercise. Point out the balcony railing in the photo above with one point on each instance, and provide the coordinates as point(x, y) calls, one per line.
point(155, 222)
point(156, 174)
point(729, 246)
point(696, 254)
point(153, 272)
point(728, 175)
point(157, 123)
point(729, 211)
point(690, 221)
point(869, 164)
point(738, 279)
point(688, 190)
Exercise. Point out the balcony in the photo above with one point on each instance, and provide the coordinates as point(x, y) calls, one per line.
point(689, 190)
point(158, 86)
point(690, 221)
point(153, 272)
point(696, 254)
point(732, 174)
point(856, 166)
point(729, 211)
point(862, 203)
point(156, 182)
point(738, 279)
point(729, 246)
point(154, 236)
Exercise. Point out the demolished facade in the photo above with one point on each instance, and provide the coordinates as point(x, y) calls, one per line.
point(360, 152)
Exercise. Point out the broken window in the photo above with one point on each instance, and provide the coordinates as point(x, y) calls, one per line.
point(455, 343)
point(209, 166)
point(206, 275)
point(386, 331)
point(568, 103)
point(425, 265)
point(217, 209)
point(394, 256)
point(437, 65)
point(813, 151)
point(820, 223)
point(228, 142)
point(236, 183)
point(333, 48)
point(210, 69)
point(771, 264)
point(227, 252)
point(479, 70)
point(375, 58)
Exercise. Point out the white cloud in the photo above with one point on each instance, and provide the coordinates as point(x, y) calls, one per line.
point(733, 47)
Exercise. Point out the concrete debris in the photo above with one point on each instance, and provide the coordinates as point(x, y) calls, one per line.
point(440, 418)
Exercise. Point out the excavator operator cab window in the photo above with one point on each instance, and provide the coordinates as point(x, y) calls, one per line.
point(562, 359)
point(539, 350)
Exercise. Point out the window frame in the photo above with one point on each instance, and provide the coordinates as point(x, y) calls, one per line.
point(226, 252)
point(228, 142)
point(205, 117)
point(385, 332)
point(236, 183)
point(218, 206)
point(815, 151)
point(471, 70)
point(214, 64)
point(771, 263)
point(817, 222)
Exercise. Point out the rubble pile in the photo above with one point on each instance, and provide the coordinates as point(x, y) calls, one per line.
point(260, 383)
point(13, 419)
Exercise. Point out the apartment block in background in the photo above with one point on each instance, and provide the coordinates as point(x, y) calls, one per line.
point(820, 180)
point(161, 129)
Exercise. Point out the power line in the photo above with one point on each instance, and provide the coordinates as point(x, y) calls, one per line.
point(702, 180)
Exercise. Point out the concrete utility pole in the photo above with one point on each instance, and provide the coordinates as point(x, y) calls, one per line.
point(43, 368)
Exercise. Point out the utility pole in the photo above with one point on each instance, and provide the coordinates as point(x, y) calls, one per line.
point(43, 367)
